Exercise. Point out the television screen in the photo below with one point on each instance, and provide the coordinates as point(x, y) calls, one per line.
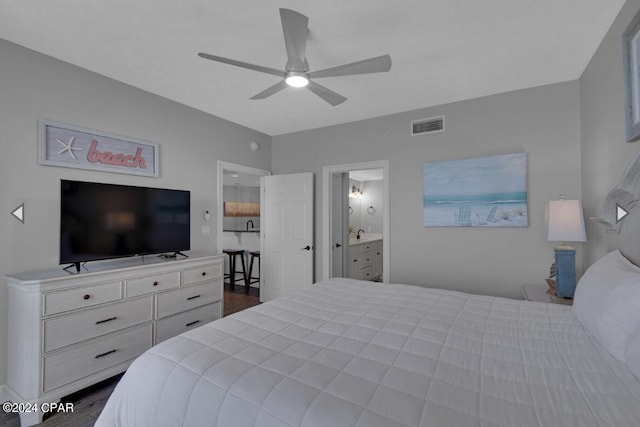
point(101, 221)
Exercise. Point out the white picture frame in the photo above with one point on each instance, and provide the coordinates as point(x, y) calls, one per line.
point(631, 63)
point(69, 146)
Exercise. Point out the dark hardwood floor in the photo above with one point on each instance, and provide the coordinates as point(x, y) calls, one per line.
point(88, 403)
point(237, 300)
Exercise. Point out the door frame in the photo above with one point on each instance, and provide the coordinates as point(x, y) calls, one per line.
point(222, 165)
point(327, 220)
point(340, 198)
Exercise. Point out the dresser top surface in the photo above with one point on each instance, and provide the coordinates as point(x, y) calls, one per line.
point(112, 266)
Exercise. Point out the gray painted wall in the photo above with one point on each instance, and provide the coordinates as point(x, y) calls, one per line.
point(543, 122)
point(605, 152)
point(34, 86)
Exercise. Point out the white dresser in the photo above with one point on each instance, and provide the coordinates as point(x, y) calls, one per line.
point(70, 330)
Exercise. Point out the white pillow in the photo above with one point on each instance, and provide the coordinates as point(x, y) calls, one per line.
point(607, 302)
point(633, 353)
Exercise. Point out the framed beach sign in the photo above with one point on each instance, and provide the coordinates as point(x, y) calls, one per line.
point(74, 147)
point(631, 62)
point(476, 192)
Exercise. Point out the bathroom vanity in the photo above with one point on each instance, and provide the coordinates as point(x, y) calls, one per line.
point(365, 257)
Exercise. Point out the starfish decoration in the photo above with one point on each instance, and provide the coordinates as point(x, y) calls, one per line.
point(69, 147)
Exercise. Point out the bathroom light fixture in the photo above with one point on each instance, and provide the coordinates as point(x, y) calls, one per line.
point(355, 191)
point(296, 79)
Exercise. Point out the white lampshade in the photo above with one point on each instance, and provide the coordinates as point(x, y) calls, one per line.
point(565, 221)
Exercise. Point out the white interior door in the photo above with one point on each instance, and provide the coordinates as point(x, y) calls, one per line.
point(287, 236)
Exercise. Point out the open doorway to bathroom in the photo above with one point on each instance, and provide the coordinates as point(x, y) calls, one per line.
point(356, 221)
point(238, 226)
point(366, 214)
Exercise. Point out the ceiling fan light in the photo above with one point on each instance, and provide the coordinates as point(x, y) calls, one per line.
point(297, 80)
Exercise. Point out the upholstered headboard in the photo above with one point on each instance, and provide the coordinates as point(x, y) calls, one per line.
point(629, 237)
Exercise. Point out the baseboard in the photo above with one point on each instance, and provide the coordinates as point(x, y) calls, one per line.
point(8, 395)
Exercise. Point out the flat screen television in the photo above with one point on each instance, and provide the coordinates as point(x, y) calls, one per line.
point(102, 221)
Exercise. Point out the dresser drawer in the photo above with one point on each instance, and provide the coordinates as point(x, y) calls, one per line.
point(366, 247)
point(366, 273)
point(75, 327)
point(148, 284)
point(366, 259)
point(201, 274)
point(71, 365)
point(174, 325)
point(184, 299)
point(72, 299)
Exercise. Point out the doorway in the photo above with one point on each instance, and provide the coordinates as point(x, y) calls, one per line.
point(238, 225)
point(345, 206)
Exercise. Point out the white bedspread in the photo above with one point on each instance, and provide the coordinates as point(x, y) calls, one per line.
point(351, 353)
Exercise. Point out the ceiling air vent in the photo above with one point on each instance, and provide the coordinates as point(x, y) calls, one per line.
point(421, 127)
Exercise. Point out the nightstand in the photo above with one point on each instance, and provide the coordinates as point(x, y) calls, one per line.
point(543, 293)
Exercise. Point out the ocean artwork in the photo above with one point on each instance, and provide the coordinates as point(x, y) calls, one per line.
point(478, 192)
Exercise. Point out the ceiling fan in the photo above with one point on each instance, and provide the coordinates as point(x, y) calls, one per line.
point(296, 72)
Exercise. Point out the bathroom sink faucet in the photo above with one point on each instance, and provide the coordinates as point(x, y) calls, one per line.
point(252, 226)
point(358, 235)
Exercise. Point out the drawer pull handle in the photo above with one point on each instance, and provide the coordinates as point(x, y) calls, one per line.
point(106, 320)
point(155, 283)
point(204, 273)
point(86, 296)
point(105, 354)
point(355, 260)
point(192, 323)
point(193, 297)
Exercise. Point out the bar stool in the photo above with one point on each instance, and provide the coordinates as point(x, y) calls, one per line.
point(232, 276)
point(250, 278)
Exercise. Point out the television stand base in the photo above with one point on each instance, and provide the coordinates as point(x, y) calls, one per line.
point(173, 255)
point(73, 264)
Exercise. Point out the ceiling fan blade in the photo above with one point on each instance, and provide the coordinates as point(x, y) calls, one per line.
point(295, 28)
point(271, 90)
point(379, 64)
point(241, 64)
point(328, 95)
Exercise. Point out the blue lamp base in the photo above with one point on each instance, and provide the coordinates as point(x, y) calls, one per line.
point(566, 271)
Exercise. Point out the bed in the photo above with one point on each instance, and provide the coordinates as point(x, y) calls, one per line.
point(350, 353)
point(353, 353)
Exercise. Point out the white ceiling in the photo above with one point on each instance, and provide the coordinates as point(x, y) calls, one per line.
point(442, 50)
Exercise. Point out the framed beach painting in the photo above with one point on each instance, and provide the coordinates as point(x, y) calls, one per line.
point(478, 192)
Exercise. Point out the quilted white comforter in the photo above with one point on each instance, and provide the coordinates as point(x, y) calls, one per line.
point(351, 353)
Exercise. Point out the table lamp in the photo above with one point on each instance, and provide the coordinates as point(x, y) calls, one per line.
point(565, 223)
